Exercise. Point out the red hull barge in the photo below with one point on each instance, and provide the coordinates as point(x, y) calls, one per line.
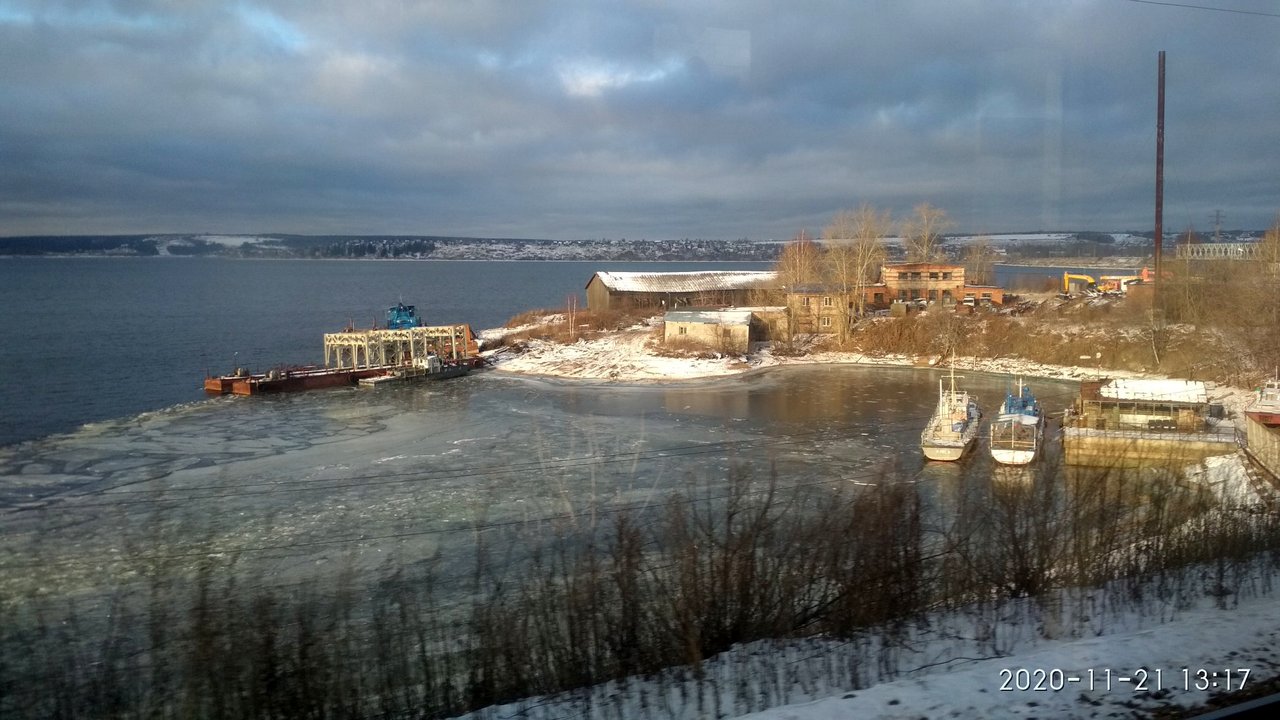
point(289, 380)
point(404, 349)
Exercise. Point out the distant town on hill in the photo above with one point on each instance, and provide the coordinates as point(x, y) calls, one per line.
point(424, 247)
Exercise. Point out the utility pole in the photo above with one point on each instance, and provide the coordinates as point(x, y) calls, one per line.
point(1217, 226)
point(1159, 235)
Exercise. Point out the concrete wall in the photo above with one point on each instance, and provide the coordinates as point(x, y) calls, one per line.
point(1121, 448)
point(714, 336)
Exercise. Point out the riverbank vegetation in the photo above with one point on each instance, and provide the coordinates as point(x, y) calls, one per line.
point(861, 571)
point(1211, 320)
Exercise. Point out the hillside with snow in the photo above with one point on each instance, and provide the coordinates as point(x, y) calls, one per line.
point(428, 247)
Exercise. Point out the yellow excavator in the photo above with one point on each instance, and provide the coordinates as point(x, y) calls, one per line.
point(1068, 277)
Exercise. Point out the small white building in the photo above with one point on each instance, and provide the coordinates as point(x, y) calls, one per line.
point(727, 330)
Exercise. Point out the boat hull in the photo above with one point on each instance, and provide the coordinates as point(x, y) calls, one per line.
point(945, 453)
point(287, 381)
point(1268, 418)
point(1005, 456)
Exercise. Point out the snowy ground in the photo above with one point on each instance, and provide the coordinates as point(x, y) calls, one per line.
point(1084, 678)
point(1089, 654)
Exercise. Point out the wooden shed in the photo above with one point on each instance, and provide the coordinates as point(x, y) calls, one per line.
point(621, 290)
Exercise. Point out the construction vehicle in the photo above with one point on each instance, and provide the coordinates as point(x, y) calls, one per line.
point(1119, 283)
point(1106, 283)
point(1067, 277)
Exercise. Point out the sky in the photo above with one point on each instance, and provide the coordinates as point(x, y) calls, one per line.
point(653, 119)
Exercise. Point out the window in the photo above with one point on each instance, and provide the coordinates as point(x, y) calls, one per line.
point(946, 276)
point(824, 321)
point(826, 302)
point(805, 301)
point(933, 276)
point(683, 330)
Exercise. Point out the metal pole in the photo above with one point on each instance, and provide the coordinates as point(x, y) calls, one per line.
point(1159, 234)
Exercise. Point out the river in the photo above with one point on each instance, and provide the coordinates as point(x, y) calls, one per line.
point(119, 449)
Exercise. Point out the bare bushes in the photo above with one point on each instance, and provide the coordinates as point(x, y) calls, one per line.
point(726, 566)
point(577, 602)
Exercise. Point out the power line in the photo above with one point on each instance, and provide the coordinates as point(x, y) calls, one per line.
point(1207, 7)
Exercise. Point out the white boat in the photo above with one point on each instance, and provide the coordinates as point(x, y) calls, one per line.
point(1018, 431)
point(1265, 408)
point(954, 425)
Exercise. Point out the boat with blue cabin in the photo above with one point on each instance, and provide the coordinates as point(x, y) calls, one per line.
point(1018, 430)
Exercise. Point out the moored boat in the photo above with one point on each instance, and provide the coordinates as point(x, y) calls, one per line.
point(954, 425)
point(1265, 407)
point(432, 367)
point(1018, 430)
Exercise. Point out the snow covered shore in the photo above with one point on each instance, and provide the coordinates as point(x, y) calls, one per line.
point(630, 355)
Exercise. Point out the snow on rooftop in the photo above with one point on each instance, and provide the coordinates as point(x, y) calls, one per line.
point(696, 281)
point(724, 317)
point(1179, 391)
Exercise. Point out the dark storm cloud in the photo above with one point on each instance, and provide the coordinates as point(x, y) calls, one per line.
point(625, 119)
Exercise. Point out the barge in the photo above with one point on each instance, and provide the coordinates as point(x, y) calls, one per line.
point(404, 350)
point(286, 380)
point(431, 368)
point(1144, 422)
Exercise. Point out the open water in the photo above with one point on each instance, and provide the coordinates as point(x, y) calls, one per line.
point(109, 443)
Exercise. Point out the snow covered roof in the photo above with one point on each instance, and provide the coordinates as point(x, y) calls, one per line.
point(687, 281)
point(718, 317)
point(1173, 391)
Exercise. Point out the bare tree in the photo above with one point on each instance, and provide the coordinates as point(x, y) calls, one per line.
point(923, 232)
point(979, 262)
point(800, 262)
point(853, 258)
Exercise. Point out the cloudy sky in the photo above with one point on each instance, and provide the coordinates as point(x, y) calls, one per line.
point(630, 118)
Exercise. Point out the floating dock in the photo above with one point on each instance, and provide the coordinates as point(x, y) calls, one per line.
point(404, 350)
point(1140, 423)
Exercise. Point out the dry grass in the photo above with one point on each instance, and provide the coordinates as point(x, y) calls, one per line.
point(1112, 333)
point(559, 327)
